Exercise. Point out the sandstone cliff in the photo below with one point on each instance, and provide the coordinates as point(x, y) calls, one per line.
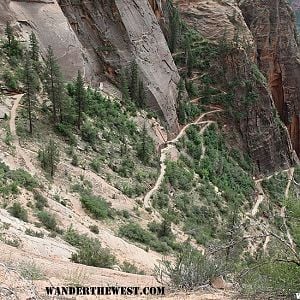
point(100, 39)
point(266, 140)
point(120, 32)
point(271, 23)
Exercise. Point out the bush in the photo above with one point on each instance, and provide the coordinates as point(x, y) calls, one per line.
point(96, 165)
point(31, 232)
point(190, 271)
point(92, 254)
point(48, 220)
point(135, 232)
point(94, 229)
point(75, 160)
point(19, 212)
point(89, 133)
point(10, 80)
point(23, 178)
point(130, 268)
point(40, 201)
point(75, 239)
point(97, 206)
point(66, 131)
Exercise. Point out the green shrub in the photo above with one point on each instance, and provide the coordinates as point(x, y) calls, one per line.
point(97, 206)
point(74, 238)
point(96, 165)
point(19, 212)
point(130, 268)
point(10, 80)
point(23, 179)
point(92, 254)
point(48, 220)
point(135, 232)
point(34, 233)
point(89, 133)
point(190, 271)
point(179, 176)
point(40, 201)
point(94, 229)
point(65, 130)
point(75, 160)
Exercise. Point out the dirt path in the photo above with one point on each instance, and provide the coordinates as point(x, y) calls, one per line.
point(165, 151)
point(260, 198)
point(290, 179)
point(20, 152)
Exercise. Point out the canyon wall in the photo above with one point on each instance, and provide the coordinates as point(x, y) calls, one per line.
point(272, 25)
point(120, 32)
point(100, 38)
point(266, 140)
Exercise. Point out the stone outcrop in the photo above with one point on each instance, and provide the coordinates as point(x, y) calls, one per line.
point(51, 27)
point(120, 32)
point(100, 38)
point(266, 140)
point(272, 25)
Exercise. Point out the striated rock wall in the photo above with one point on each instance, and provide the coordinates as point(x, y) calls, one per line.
point(100, 38)
point(50, 25)
point(277, 53)
point(120, 32)
point(264, 137)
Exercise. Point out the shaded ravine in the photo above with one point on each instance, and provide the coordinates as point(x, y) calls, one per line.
point(165, 151)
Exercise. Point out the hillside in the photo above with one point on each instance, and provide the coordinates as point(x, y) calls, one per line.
point(150, 143)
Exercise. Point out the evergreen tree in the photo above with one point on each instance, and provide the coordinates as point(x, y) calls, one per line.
point(9, 34)
point(124, 87)
point(49, 157)
point(54, 85)
point(145, 147)
point(34, 47)
point(12, 46)
point(141, 95)
point(181, 113)
point(174, 29)
point(180, 88)
point(30, 82)
point(80, 98)
point(134, 82)
point(180, 102)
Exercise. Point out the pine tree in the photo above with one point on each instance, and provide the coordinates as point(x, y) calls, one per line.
point(134, 82)
point(174, 29)
point(9, 34)
point(80, 98)
point(124, 87)
point(145, 147)
point(12, 46)
point(180, 102)
point(49, 157)
point(54, 85)
point(34, 47)
point(141, 95)
point(31, 84)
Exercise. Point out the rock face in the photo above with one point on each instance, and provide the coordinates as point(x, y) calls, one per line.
point(265, 139)
point(273, 28)
point(120, 32)
point(100, 38)
point(46, 19)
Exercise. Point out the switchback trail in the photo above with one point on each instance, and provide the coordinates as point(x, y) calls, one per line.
point(165, 151)
point(20, 152)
